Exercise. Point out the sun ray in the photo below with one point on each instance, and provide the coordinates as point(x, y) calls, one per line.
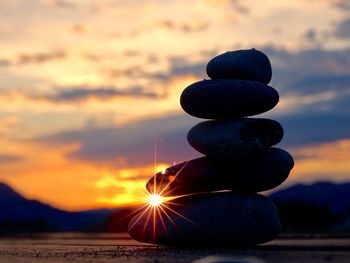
point(146, 223)
point(168, 184)
point(157, 202)
point(154, 224)
point(172, 210)
point(137, 210)
point(155, 167)
point(139, 217)
point(161, 219)
point(167, 215)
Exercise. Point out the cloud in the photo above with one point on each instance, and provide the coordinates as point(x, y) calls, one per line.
point(309, 71)
point(73, 94)
point(343, 29)
point(4, 62)
point(186, 27)
point(79, 29)
point(37, 58)
point(235, 5)
point(318, 80)
point(134, 143)
point(325, 161)
point(341, 4)
point(9, 121)
point(311, 35)
point(130, 72)
point(313, 72)
point(33, 58)
point(8, 158)
point(310, 128)
point(178, 66)
point(64, 4)
point(192, 68)
point(131, 53)
point(311, 75)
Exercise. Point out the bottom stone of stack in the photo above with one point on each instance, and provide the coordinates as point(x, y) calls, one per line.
point(208, 220)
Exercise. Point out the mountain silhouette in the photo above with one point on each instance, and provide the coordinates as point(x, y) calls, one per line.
point(334, 196)
point(18, 214)
point(318, 207)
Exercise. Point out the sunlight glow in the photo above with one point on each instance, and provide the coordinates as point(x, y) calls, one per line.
point(158, 204)
point(155, 199)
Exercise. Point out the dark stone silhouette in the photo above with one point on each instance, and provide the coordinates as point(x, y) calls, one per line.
point(238, 158)
point(217, 219)
point(235, 139)
point(250, 64)
point(227, 98)
point(205, 175)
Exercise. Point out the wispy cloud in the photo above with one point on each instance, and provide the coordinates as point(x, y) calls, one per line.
point(187, 27)
point(27, 58)
point(33, 58)
point(235, 5)
point(134, 143)
point(343, 29)
point(73, 94)
point(8, 158)
point(8, 122)
point(64, 4)
point(341, 4)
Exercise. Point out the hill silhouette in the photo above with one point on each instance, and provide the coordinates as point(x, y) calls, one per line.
point(319, 207)
point(18, 214)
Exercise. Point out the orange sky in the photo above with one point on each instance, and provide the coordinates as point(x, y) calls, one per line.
point(76, 75)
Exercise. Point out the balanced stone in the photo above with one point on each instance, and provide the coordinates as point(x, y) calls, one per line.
point(232, 139)
point(249, 64)
point(212, 201)
point(205, 174)
point(227, 98)
point(210, 220)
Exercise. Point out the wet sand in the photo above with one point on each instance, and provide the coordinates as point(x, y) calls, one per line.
point(80, 247)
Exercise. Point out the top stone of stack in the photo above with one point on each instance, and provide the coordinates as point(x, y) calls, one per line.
point(249, 64)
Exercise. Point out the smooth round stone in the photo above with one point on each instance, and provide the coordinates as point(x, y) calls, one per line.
point(249, 64)
point(209, 220)
point(204, 174)
point(241, 138)
point(227, 98)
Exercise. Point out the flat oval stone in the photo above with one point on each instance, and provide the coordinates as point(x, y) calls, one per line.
point(227, 98)
point(232, 139)
point(208, 220)
point(249, 64)
point(203, 174)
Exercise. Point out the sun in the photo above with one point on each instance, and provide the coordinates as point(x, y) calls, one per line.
point(155, 200)
point(158, 204)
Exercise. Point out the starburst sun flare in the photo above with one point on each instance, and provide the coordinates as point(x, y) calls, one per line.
point(155, 199)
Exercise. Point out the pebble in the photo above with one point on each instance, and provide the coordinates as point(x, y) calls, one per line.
point(232, 139)
point(210, 220)
point(206, 175)
point(249, 64)
point(227, 98)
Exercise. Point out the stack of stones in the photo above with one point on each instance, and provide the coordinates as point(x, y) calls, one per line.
point(218, 203)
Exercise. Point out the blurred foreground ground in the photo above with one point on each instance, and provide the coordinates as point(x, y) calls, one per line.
point(80, 247)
